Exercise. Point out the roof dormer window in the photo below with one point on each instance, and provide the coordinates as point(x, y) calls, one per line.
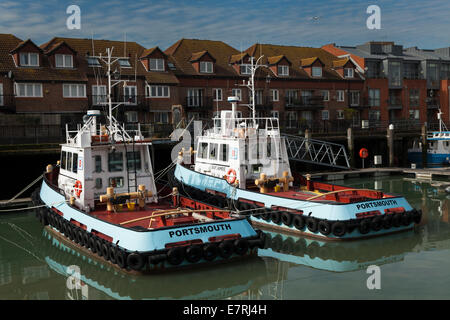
point(156, 64)
point(348, 73)
point(63, 60)
point(29, 59)
point(283, 70)
point(316, 72)
point(124, 63)
point(206, 67)
point(246, 69)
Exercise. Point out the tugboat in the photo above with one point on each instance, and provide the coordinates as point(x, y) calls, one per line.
point(438, 152)
point(102, 196)
point(245, 160)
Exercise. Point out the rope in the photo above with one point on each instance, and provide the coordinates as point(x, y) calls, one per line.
point(35, 207)
point(26, 188)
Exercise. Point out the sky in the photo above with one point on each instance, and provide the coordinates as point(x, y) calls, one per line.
point(161, 23)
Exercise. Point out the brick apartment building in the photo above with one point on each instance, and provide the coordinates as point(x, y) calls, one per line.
point(401, 83)
point(323, 89)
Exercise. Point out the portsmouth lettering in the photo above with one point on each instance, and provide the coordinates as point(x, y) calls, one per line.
point(198, 230)
point(375, 204)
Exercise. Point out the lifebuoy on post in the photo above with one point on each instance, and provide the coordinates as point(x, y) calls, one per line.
point(231, 176)
point(78, 188)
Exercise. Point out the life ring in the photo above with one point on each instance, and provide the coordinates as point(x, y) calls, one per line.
point(78, 188)
point(231, 176)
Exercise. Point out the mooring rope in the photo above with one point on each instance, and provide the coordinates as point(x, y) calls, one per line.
point(26, 188)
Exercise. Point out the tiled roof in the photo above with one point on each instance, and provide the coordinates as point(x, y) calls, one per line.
point(238, 57)
point(55, 46)
point(295, 55)
point(308, 61)
point(23, 43)
point(276, 59)
point(148, 52)
point(7, 43)
point(340, 62)
point(182, 52)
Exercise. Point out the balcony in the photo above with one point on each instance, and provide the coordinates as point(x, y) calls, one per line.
point(198, 103)
point(394, 103)
point(265, 105)
point(304, 103)
point(411, 75)
point(8, 103)
point(129, 103)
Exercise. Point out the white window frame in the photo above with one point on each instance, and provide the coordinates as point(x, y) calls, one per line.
point(216, 95)
point(340, 95)
point(325, 115)
point(275, 114)
point(237, 93)
point(159, 119)
point(128, 87)
point(29, 54)
point(159, 64)
point(245, 67)
point(158, 91)
point(206, 67)
point(340, 115)
point(63, 57)
point(96, 97)
point(291, 116)
point(352, 96)
point(319, 75)
point(348, 74)
point(283, 70)
point(274, 94)
point(72, 94)
point(326, 95)
point(37, 90)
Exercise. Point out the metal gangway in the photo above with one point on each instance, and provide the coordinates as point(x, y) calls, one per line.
point(316, 152)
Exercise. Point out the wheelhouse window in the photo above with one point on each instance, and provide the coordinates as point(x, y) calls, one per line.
point(63, 160)
point(156, 64)
point(29, 59)
point(98, 163)
point(203, 150)
point(134, 160)
point(74, 91)
point(224, 152)
point(63, 60)
point(75, 163)
point(213, 150)
point(206, 67)
point(115, 162)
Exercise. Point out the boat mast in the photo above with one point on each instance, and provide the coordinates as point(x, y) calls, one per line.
point(251, 84)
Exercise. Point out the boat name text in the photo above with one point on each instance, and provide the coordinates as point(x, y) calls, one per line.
point(197, 230)
point(374, 204)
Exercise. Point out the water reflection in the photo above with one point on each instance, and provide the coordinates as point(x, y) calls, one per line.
point(36, 265)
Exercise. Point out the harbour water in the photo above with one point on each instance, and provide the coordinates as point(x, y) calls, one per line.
point(412, 265)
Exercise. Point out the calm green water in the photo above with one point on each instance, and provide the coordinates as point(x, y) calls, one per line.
point(413, 265)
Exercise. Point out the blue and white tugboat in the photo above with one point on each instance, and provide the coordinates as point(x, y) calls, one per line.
point(438, 152)
point(245, 160)
point(102, 196)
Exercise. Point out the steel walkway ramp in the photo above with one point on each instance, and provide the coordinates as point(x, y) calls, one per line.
point(316, 152)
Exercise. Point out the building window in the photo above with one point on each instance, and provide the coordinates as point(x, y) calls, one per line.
point(1, 94)
point(354, 98)
point(93, 62)
point(161, 117)
point(237, 93)
point(374, 115)
point(246, 69)
point(291, 119)
point(158, 91)
point(283, 70)
point(115, 161)
point(414, 99)
point(217, 93)
point(348, 72)
point(373, 69)
point(156, 64)
point(374, 97)
point(98, 95)
point(394, 73)
point(194, 98)
point(131, 116)
point(130, 94)
point(325, 115)
point(414, 114)
point(433, 72)
point(274, 114)
point(445, 71)
point(326, 95)
point(340, 95)
point(316, 71)
point(340, 114)
point(274, 95)
point(206, 67)
point(74, 91)
point(29, 59)
point(63, 60)
point(124, 63)
point(291, 97)
point(133, 160)
point(29, 90)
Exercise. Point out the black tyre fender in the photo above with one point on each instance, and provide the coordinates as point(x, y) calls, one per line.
point(135, 261)
point(210, 251)
point(311, 224)
point(112, 254)
point(387, 221)
point(121, 258)
point(240, 246)
point(275, 217)
point(338, 228)
point(298, 221)
point(376, 223)
point(92, 244)
point(364, 226)
point(397, 220)
point(175, 255)
point(194, 253)
point(98, 247)
point(226, 249)
point(406, 219)
point(105, 251)
point(286, 218)
point(266, 215)
point(417, 216)
point(324, 227)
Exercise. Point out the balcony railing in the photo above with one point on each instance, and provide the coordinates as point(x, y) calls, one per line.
point(199, 102)
point(411, 75)
point(264, 104)
point(133, 102)
point(312, 102)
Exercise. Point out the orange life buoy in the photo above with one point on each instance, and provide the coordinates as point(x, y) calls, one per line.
point(231, 176)
point(78, 188)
